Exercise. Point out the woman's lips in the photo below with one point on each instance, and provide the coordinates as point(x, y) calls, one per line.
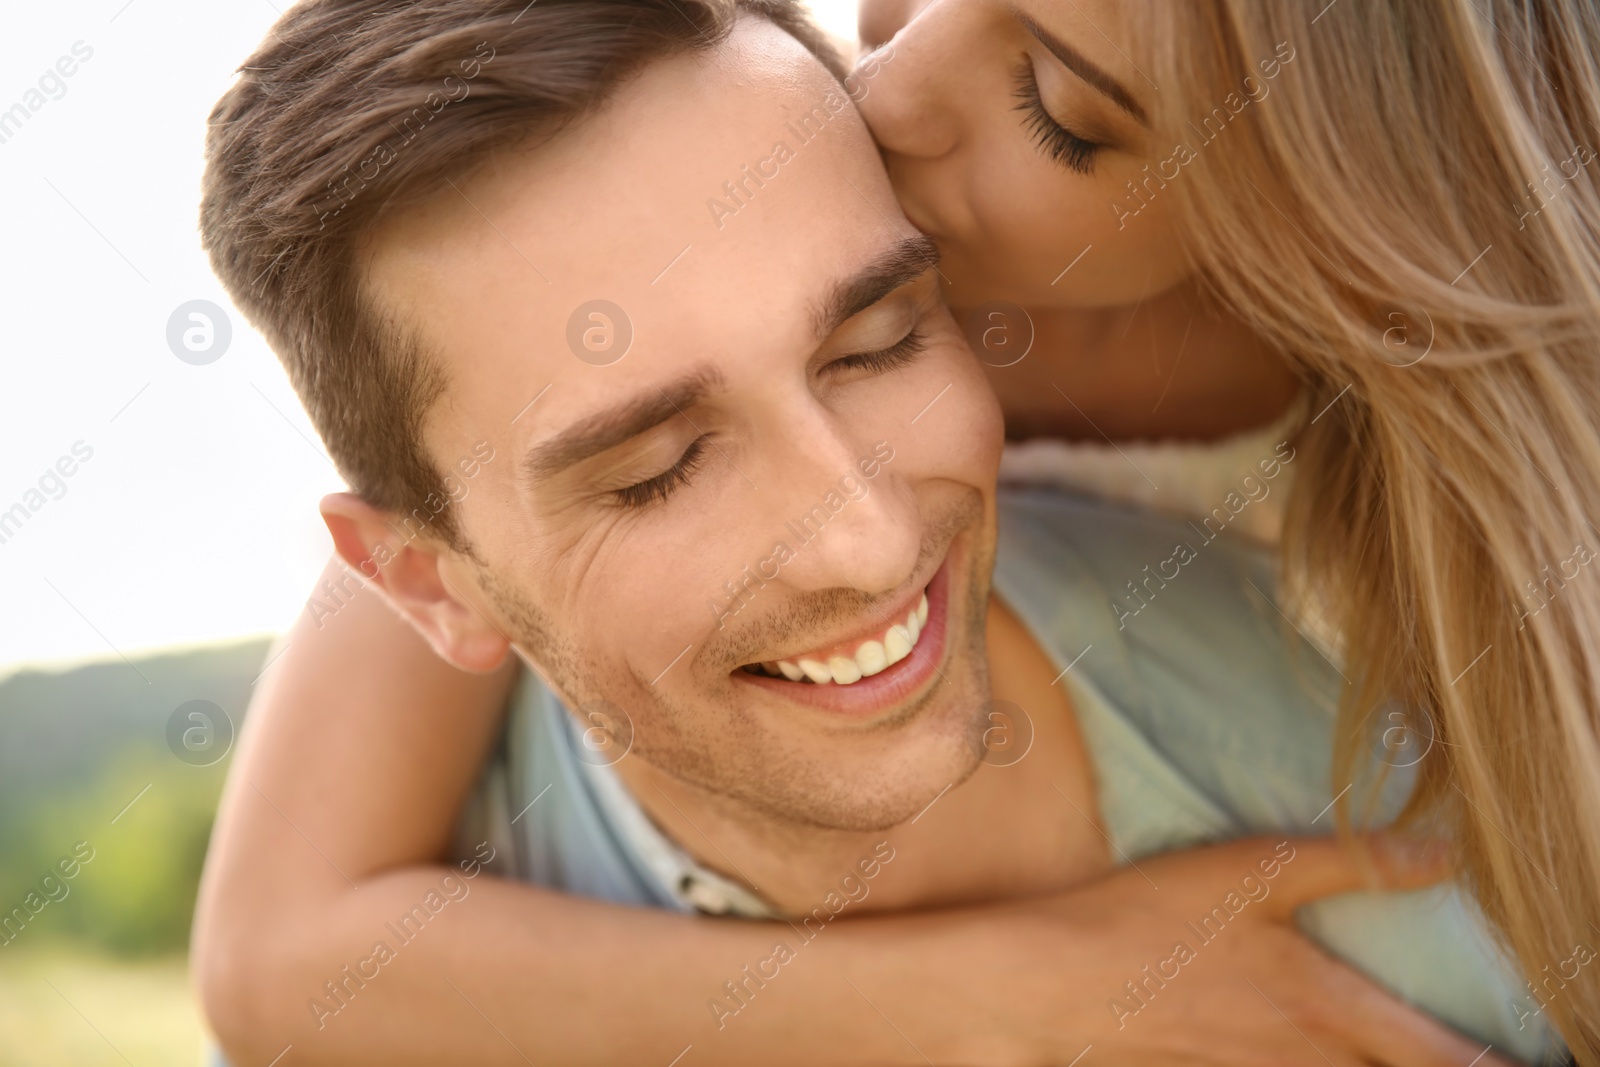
point(889, 687)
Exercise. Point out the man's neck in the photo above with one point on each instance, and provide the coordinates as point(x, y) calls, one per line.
point(1013, 830)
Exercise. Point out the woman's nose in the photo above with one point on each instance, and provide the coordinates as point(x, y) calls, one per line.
point(903, 88)
point(879, 20)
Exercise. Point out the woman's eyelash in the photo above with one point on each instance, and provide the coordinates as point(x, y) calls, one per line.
point(655, 490)
point(1060, 144)
point(898, 354)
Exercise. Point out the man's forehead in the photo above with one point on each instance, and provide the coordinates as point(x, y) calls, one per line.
point(650, 222)
point(647, 165)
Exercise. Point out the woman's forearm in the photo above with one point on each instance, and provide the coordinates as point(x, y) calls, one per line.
point(505, 973)
point(492, 972)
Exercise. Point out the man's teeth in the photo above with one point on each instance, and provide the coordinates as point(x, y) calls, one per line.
point(869, 658)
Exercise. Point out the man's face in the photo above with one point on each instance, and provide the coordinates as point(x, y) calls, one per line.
point(795, 447)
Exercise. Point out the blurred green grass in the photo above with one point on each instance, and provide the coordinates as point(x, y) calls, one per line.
point(62, 1005)
point(99, 975)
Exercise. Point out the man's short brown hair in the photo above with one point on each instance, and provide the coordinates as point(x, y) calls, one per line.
point(352, 107)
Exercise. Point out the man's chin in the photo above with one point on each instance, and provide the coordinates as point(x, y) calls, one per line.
point(910, 801)
point(890, 776)
point(874, 803)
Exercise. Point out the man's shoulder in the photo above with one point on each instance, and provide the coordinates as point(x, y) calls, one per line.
point(1162, 610)
point(1131, 560)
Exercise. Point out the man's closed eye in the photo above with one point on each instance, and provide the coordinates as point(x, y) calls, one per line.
point(897, 355)
point(658, 488)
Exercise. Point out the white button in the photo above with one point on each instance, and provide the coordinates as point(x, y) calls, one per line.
point(704, 897)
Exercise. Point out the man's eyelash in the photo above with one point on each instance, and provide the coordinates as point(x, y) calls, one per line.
point(896, 355)
point(1059, 143)
point(655, 490)
point(659, 488)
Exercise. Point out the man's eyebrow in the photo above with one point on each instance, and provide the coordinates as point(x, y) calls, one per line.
point(620, 422)
point(903, 262)
point(1079, 64)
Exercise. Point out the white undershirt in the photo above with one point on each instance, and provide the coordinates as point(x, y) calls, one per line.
point(1185, 479)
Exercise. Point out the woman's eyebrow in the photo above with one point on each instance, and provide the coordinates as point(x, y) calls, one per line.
point(1079, 64)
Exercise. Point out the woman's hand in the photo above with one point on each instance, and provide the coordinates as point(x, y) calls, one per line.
point(1102, 966)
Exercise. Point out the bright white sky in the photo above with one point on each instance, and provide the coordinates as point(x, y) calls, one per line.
point(194, 519)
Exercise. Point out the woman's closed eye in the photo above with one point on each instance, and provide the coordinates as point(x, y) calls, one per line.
point(658, 488)
point(1054, 140)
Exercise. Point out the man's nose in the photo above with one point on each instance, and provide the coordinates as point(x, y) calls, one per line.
point(850, 520)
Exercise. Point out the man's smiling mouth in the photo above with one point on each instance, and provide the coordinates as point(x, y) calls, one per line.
point(846, 665)
point(833, 678)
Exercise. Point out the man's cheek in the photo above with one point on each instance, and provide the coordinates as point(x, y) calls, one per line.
point(966, 423)
point(640, 615)
point(590, 557)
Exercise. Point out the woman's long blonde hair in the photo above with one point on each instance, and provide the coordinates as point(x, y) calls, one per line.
point(1407, 205)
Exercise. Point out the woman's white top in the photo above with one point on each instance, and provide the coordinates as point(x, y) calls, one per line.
point(1184, 479)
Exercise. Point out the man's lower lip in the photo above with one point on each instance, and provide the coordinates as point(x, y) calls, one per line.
point(887, 689)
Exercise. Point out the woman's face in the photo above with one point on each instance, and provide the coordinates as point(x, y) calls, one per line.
point(1011, 130)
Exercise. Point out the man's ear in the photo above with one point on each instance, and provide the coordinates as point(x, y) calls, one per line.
point(412, 572)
